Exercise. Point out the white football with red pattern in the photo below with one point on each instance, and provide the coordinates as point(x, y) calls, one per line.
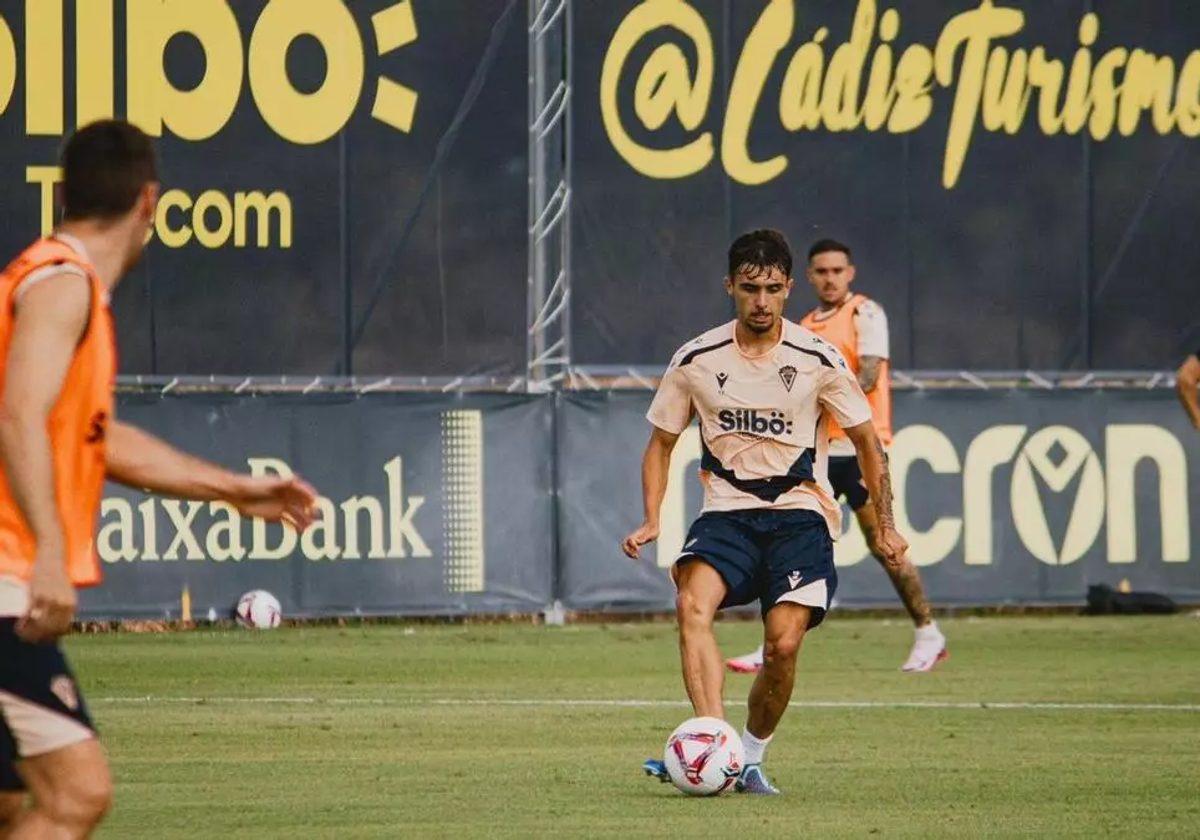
point(260, 610)
point(704, 756)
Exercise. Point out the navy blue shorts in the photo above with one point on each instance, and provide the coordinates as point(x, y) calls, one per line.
point(41, 709)
point(846, 479)
point(772, 556)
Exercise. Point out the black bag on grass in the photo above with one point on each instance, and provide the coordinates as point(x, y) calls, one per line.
point(1104, 600)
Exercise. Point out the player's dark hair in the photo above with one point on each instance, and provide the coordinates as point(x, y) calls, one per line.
point(105, 167)
point(760, 251)
point(827, 246)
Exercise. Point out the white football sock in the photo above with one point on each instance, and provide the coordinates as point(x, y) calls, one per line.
point(929, 631)
point(755, 747)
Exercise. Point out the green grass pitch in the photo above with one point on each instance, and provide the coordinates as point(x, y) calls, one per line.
point(525, 731)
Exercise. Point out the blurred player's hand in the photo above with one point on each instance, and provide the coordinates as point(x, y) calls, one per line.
point(52, 600)
point(646, 533)
point(889, 545)
point(291, 500)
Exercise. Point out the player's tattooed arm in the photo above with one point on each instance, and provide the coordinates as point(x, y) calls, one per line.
point(883, 501)
point(868, 372)
point(873, 462)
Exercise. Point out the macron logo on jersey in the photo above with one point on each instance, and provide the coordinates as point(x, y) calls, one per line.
point(762, 422)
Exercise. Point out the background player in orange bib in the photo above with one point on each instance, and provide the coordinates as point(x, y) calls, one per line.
point(857, 326)
point(60, 441)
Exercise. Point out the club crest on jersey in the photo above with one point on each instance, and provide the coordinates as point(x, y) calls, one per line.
point(788, 374)
point(722, 378)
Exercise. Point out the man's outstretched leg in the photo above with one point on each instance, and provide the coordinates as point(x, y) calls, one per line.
point(796, 595)
point(701, 591)
point(783, 632)
point(929, 646)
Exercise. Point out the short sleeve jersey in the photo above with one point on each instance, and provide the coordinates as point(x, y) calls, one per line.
point(763, 419)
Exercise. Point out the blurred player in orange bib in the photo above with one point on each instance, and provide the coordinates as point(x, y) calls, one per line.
point(60, 441)
point(857, 326)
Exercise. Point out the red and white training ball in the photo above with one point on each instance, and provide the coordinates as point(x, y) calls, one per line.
point(704, 756)
point(260, 610)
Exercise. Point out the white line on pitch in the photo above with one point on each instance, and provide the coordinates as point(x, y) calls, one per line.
point(570, 703)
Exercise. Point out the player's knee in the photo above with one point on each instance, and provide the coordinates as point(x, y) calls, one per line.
point(79, 801)
point(94, 797)
point(781, 652)
point(692, 610)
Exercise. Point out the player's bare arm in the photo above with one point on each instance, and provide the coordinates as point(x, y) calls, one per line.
point(868, 372)
point(138, 459)
point(873, 461)
point(656, 464)
point(1187, 380)
point(51, 316)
